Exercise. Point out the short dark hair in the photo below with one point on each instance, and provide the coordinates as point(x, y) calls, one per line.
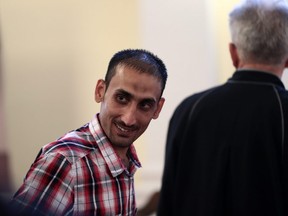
point(141, 60)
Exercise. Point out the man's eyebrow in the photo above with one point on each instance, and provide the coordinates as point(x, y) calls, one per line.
point(127, 94)
point(149, 100)
point(122, 91)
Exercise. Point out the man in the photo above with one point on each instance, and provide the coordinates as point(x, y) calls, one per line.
point(227, 147)
point(89, 171)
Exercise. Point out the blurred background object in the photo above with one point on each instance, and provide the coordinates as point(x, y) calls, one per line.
point(5, 178)
point(150, 205)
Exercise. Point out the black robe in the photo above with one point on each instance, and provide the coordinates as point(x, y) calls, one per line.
point(226, 151)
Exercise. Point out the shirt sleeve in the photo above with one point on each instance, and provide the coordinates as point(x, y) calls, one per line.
point(47, 188)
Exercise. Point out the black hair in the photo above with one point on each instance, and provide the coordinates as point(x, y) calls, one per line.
point(141, 60)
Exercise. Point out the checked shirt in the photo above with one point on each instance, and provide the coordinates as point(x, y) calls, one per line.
point(79, 174)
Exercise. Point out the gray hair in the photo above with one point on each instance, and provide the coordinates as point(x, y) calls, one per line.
point(259, 29)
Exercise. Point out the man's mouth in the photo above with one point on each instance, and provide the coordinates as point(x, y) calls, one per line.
point(121, 128)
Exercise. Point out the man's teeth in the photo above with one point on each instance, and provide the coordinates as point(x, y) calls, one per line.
point(122, 129)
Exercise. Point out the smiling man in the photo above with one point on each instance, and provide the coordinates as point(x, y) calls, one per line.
point(89, 171)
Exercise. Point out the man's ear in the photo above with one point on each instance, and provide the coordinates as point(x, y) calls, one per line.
point(100, 90)
point(234, 55)
point(159, 108)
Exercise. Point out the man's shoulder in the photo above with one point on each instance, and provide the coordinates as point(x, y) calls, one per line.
point(73, 145)
point(194, 98)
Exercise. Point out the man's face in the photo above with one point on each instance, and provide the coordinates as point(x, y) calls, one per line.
point(129, 103)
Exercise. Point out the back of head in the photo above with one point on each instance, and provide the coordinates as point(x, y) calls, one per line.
point(259, 29)
point(141, 60)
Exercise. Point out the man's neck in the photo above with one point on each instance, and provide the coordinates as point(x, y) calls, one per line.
point(122, 153)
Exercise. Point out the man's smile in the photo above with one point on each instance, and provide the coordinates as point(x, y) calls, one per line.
point(121, 128)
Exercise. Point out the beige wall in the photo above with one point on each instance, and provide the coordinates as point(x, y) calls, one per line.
point(220, 26)
point(54, 51)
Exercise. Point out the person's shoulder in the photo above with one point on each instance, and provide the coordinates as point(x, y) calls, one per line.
point(73, 145)
point(189, 100)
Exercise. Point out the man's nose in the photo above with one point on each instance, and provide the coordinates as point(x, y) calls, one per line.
point(129, 115)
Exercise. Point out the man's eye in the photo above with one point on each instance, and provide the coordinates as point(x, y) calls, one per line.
point(146, 106)
point(121, 99)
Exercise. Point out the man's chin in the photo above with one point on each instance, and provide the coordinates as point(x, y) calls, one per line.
point(122, 143)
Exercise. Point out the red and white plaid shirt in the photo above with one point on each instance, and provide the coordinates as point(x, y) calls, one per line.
point(79, 174)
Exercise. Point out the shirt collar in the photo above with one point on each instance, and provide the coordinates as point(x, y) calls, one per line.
point(257, 76)
point(111, 158)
